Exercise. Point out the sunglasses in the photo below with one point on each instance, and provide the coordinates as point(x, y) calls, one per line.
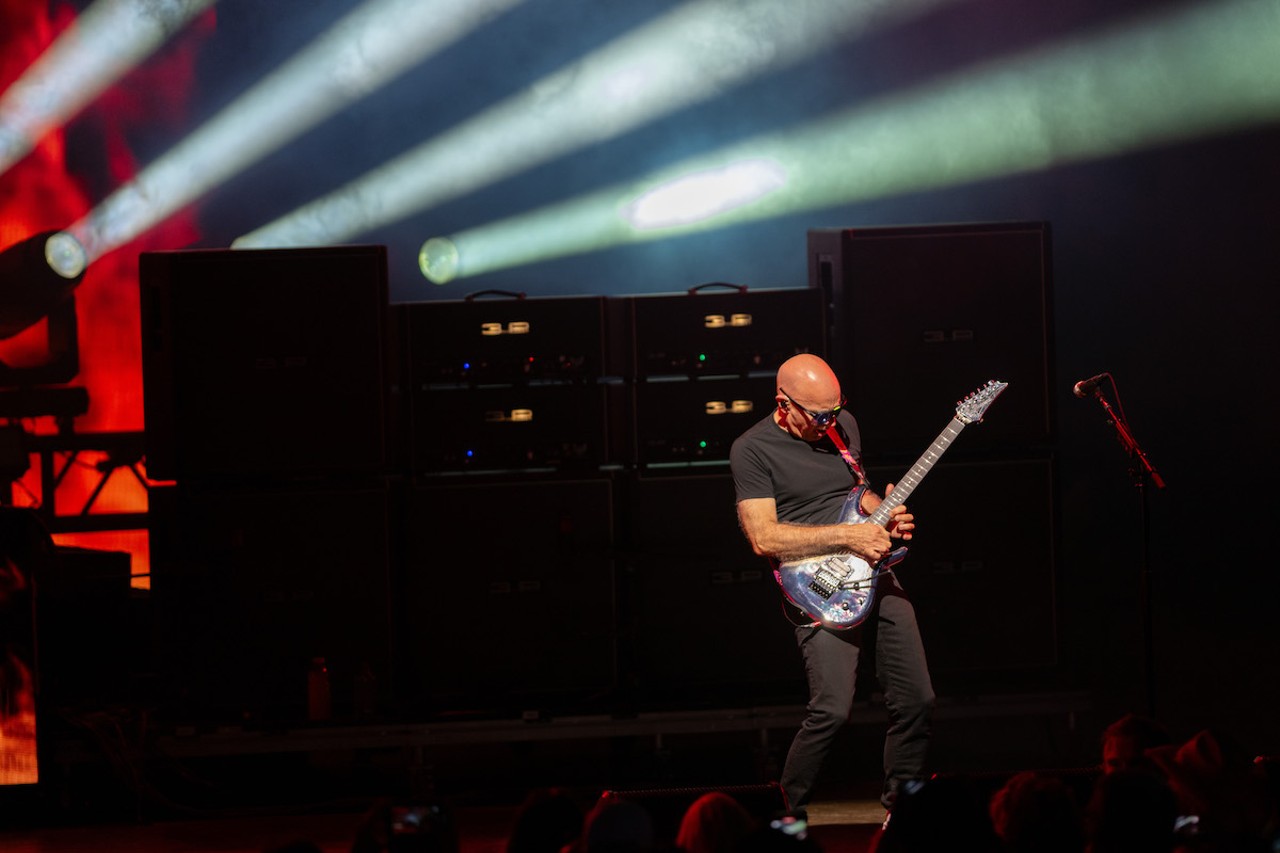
point(821, 420)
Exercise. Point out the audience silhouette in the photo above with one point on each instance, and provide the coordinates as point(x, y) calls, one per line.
point(547, 821)
point(1150, 794)
point(1037, 812)
point(425, 827)
point(939, 814)
point(1126, 741)
point(616, 825)
point(1132, 810)
point(714, 823)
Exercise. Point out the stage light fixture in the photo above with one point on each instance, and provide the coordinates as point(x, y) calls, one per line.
point(65, 255)
point(691, 55)
point(36, 276)
point(1211, 68)
point(105, 42)
point(438, 259)
point(374, 44)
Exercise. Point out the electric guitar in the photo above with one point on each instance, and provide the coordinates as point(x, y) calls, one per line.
point(837, 590)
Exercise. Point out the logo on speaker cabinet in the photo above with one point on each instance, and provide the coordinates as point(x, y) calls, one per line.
point(734, 407)
point(948, 336)
point(718, 321)
point(515, 327)
point(514, 416)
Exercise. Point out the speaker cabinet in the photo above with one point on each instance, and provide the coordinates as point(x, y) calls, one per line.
point(508, 341)
point(506, 598)
point(696, 421)
point(264, 363)
point(705, 622)
point(983, 588)
point(691, 514)
point(924, 315)
point(249, 585)
point(519, 427)
point(740, 332)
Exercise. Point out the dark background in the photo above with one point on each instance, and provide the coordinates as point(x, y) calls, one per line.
point(1164, 272)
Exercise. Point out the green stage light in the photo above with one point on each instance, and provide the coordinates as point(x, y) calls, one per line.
point(439, 260)
point(105, 42)
point(691, 55)
point(371, 46)
point(1208, 69)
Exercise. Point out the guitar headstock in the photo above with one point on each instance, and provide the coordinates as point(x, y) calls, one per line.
point(971, 408)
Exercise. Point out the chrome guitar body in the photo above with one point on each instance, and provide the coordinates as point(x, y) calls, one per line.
point(837, 589)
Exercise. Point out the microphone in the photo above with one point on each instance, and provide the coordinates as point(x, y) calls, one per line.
point(1085, 387)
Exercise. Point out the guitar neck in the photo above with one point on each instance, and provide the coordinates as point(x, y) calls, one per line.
point(905, 486)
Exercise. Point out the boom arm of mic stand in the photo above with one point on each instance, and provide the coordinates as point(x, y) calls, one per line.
point(1126, 438)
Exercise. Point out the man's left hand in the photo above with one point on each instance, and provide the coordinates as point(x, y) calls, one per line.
point(901, 522)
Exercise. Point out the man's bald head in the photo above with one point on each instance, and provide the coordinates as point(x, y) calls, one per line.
point(809, 381)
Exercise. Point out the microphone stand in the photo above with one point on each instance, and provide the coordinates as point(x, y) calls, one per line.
point(1140, 470)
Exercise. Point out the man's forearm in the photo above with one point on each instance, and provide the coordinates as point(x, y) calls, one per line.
point(786, 541)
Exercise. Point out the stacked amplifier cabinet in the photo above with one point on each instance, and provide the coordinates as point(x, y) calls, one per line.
point(266, 394)
point(922, 316)
point(702, 367)
point(506, 384)
point(710, 331)
point(681, 422)
point(506, 595)
point(702, 617)
point(984, 593)
point(253, 582)
point(506, 599)
point(264, 364)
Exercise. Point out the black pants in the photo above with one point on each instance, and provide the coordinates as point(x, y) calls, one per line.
point(831, 664)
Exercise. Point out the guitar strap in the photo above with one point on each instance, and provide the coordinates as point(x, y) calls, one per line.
point(834, 434)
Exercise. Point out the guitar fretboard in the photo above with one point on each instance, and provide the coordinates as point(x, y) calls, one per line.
point(905, 486)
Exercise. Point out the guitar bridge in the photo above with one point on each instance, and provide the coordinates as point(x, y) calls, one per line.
point(825, 583)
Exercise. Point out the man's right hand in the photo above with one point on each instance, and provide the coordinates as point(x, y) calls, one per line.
point(871, 542)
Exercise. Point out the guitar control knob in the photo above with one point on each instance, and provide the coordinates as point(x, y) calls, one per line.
point(844, 605)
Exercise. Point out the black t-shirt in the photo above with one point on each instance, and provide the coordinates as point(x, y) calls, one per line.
point(808, 481)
